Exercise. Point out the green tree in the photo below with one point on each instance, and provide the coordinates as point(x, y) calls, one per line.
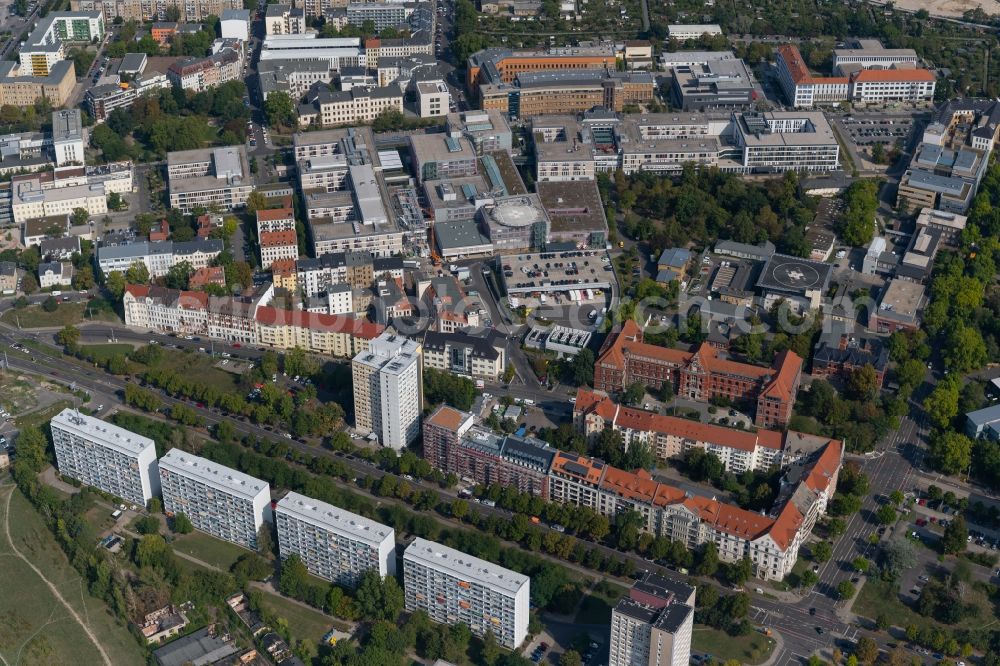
point(809, 578)
point(860, 564)
point(256, 201)
point(708, 562)
point(942, 404)
point(68, 337)
point(886, 514)
point(178, 275)
point(116, 284)
point(570, 658)
point(634, 393)
point(965, 349)
point(866, 650)
point(845, 589)
point(490, 652)
point(280, 110)
point(955, 536)
point(582, 368)
point(50, 304)
point(152, 551)
point(137, 273)
point(182, 524)
point(822, 551)
point(862, 384)
point(80, 216)
point(147, 525)
point(83, 278)
point(951, 452)
point(857, 224)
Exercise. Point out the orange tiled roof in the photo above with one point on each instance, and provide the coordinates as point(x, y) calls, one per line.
point(825, 467)
point(799, 72)
point(447, 417)
point(786, 526)
point(283, 266)
point(789, 366)
point(591, 469)
point(598, 402)
point(278, 238)
point(358, 328)
point(729, 519)
point(138, 290)
point(270, 214)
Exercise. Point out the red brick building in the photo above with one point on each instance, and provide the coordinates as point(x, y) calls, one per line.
point(700, 375)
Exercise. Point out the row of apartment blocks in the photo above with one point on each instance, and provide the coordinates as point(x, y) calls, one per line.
point(246, 319)
point(334, 544)
point(700, 374)
point(58, 193)
point(893, 79)
point(571, 148)
point(454, 443)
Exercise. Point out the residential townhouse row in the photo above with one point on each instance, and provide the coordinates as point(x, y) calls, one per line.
point(246, 320)
point(454, 443)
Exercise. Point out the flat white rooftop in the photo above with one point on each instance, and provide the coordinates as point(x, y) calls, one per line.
point(464, 567)
point(212, 473)
point(102, 432)
point(328, 517)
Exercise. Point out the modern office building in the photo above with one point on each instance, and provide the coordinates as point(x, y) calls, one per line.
point(682, 32)
point(219, 500)
point(102, 455)
point(775, 141)
point(388, 390)
point(718, 84)
point(336, 545)
point(802, 88)
point(209, 176)
point(652, 626)
point(869, 53)
point(453, 587)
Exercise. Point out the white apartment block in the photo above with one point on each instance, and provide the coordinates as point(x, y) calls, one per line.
point(221, 501)
point(454, 587)
point(388, 390)
point(158, 256)
point(105, 456)
point(277, 245)
point(30, 200)
point(357, 105)
point(275, 219)
point(336, 545)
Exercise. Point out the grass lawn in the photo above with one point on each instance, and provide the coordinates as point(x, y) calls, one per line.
point(880, 598)
point(304, 623)
point(216, 552)
point(67, 313)
point(37, 628)
point(752, 649)
point(103, 352)
point(42, 415)
point(198, 366)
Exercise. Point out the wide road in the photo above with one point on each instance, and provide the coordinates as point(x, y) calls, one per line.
point(791, 619)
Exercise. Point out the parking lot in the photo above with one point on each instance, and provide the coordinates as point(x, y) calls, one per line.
point(870, 129)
